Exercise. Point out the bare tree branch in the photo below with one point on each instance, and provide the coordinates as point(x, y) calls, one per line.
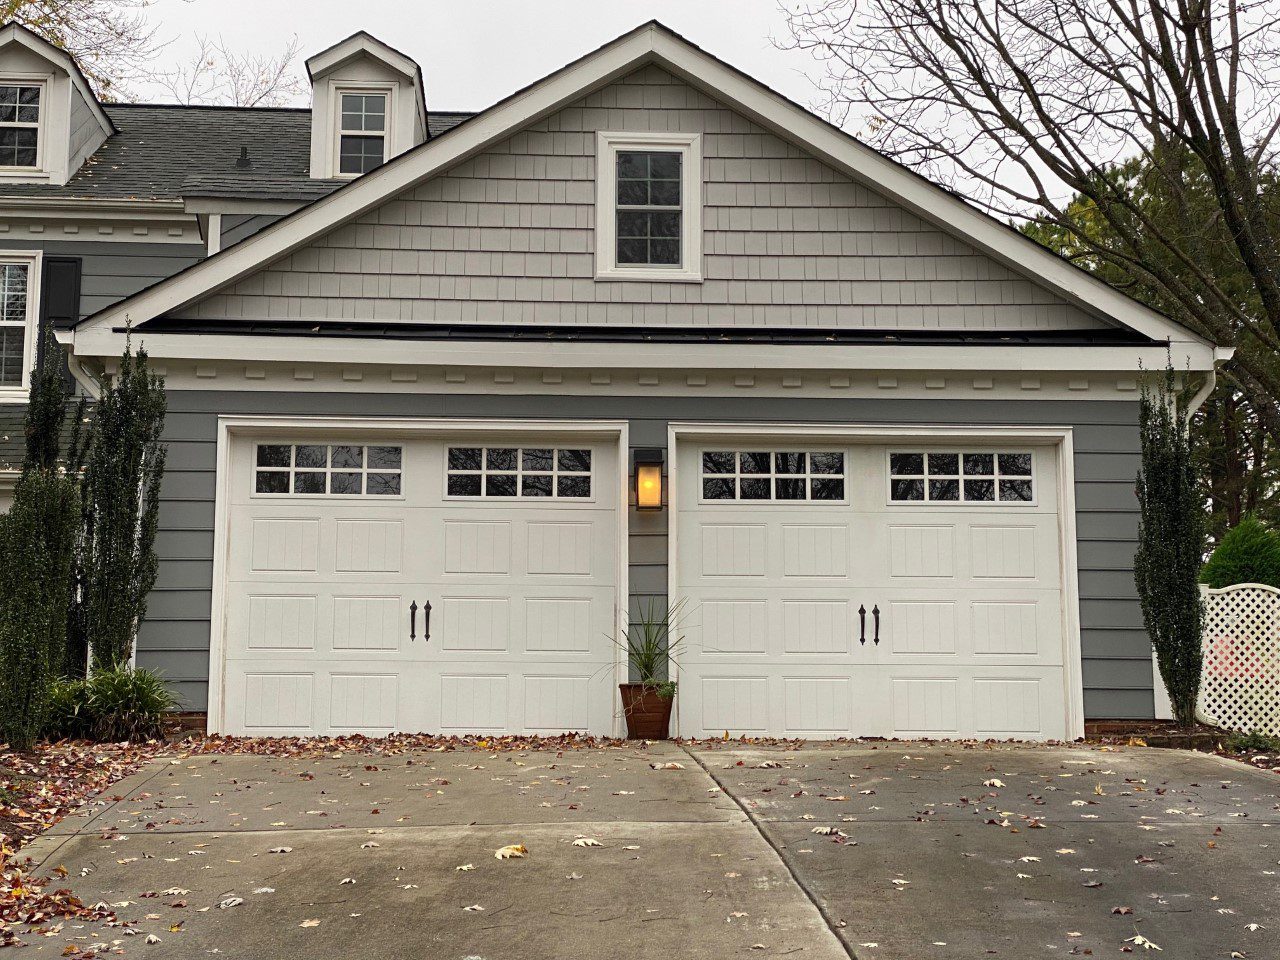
point(111, 40)
point(216, 74)
point(1145, 131)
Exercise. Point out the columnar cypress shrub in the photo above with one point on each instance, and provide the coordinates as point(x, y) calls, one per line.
point(1171, 540)
point(37, 540)
point(39, 534)
point(123, 470)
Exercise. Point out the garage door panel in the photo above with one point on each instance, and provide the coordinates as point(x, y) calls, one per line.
point(522, 593)
point(818, 706)
point(968, 597)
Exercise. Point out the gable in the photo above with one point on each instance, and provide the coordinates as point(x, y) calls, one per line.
point(508, 237)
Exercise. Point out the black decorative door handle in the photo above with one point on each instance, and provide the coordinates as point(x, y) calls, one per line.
point(875, 612)
point(426, 624)
point(413, 619)
point(862, 618)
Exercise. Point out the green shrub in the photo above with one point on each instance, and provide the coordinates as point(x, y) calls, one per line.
point(112, 704)
point(1253, 743)
point(1171, 540)
point(37, 537)
point(1249, 553)
point(66, 713)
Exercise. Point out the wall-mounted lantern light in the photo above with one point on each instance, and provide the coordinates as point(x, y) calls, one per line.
point(648, 479)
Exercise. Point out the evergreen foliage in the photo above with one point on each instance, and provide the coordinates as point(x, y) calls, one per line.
point(37, 539)
point(1249, 553)
point(123, 470)
point(1171, 538)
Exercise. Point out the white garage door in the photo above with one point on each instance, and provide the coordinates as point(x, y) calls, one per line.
point(850, 589)
point(458, 585)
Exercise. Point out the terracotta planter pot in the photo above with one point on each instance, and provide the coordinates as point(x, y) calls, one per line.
point(648, 715)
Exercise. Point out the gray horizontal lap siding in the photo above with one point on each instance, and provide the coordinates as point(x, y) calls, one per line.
point(112, 270)
point(1117, 661)
point(508, 237)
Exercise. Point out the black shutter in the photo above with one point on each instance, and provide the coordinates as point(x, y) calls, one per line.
point(59, 297)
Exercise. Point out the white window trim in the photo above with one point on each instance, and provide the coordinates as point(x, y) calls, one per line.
point(42, 152)
point(336, 91)
point(689, 145)
point(34, 261)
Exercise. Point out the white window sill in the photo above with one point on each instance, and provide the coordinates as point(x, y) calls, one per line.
point(24, 174)
point(14, 395)
point(649, 274)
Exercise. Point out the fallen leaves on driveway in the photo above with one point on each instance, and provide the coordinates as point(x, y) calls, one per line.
point(512, 851)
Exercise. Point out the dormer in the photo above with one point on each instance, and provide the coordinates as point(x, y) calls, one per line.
point(367, 106)
point(50, 119)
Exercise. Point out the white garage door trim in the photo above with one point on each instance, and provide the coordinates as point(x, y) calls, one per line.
point(235, 428)
point(1058, 437)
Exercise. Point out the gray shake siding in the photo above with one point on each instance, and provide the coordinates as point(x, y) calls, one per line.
point(1117, 660)
point(508, 237)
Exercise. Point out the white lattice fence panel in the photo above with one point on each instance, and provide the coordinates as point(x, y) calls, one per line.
point(1240, 689)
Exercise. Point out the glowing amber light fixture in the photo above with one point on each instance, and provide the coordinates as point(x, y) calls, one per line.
point(648, 479)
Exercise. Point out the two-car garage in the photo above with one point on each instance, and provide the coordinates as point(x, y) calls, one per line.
point(469, 577)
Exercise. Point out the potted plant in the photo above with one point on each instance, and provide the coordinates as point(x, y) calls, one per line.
point(649, 641)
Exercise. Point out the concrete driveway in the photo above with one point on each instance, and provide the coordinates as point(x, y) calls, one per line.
point(964, 852)
point(381, 857)
point(997, 851)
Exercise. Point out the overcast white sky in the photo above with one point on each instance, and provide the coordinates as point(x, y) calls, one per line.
point(474, 52)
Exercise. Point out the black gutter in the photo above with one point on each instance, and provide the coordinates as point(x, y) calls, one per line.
point(631, 334)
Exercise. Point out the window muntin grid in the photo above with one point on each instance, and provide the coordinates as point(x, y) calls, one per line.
point(319, 469)
point(648, 224)
point(14, 322)
point(956, 477)
point(557, 473)
point(19, 124)
point(362, 142)
point(773, 475)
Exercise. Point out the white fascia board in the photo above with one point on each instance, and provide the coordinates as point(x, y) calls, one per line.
point(356, 45)
point(98, 343)
point(652, 43)
point(367, 192)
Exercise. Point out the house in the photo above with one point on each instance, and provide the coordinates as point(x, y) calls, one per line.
point(446, 404)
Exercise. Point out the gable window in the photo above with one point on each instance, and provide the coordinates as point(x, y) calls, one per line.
point(648, 207)
point(362, 132)
point(17, 324)
point(19, 124)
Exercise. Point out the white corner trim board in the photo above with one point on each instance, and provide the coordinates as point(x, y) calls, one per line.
point(650, 43)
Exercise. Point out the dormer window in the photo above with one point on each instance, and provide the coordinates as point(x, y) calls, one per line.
point(362, 132)
point(648, 207)
point(20, 124)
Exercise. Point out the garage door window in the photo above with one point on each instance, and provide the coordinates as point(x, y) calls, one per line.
point(961, 477)
point(772, 475)
point(318, 469)
point(520, 472)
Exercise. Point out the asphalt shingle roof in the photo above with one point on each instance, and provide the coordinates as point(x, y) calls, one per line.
point(161, 150)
